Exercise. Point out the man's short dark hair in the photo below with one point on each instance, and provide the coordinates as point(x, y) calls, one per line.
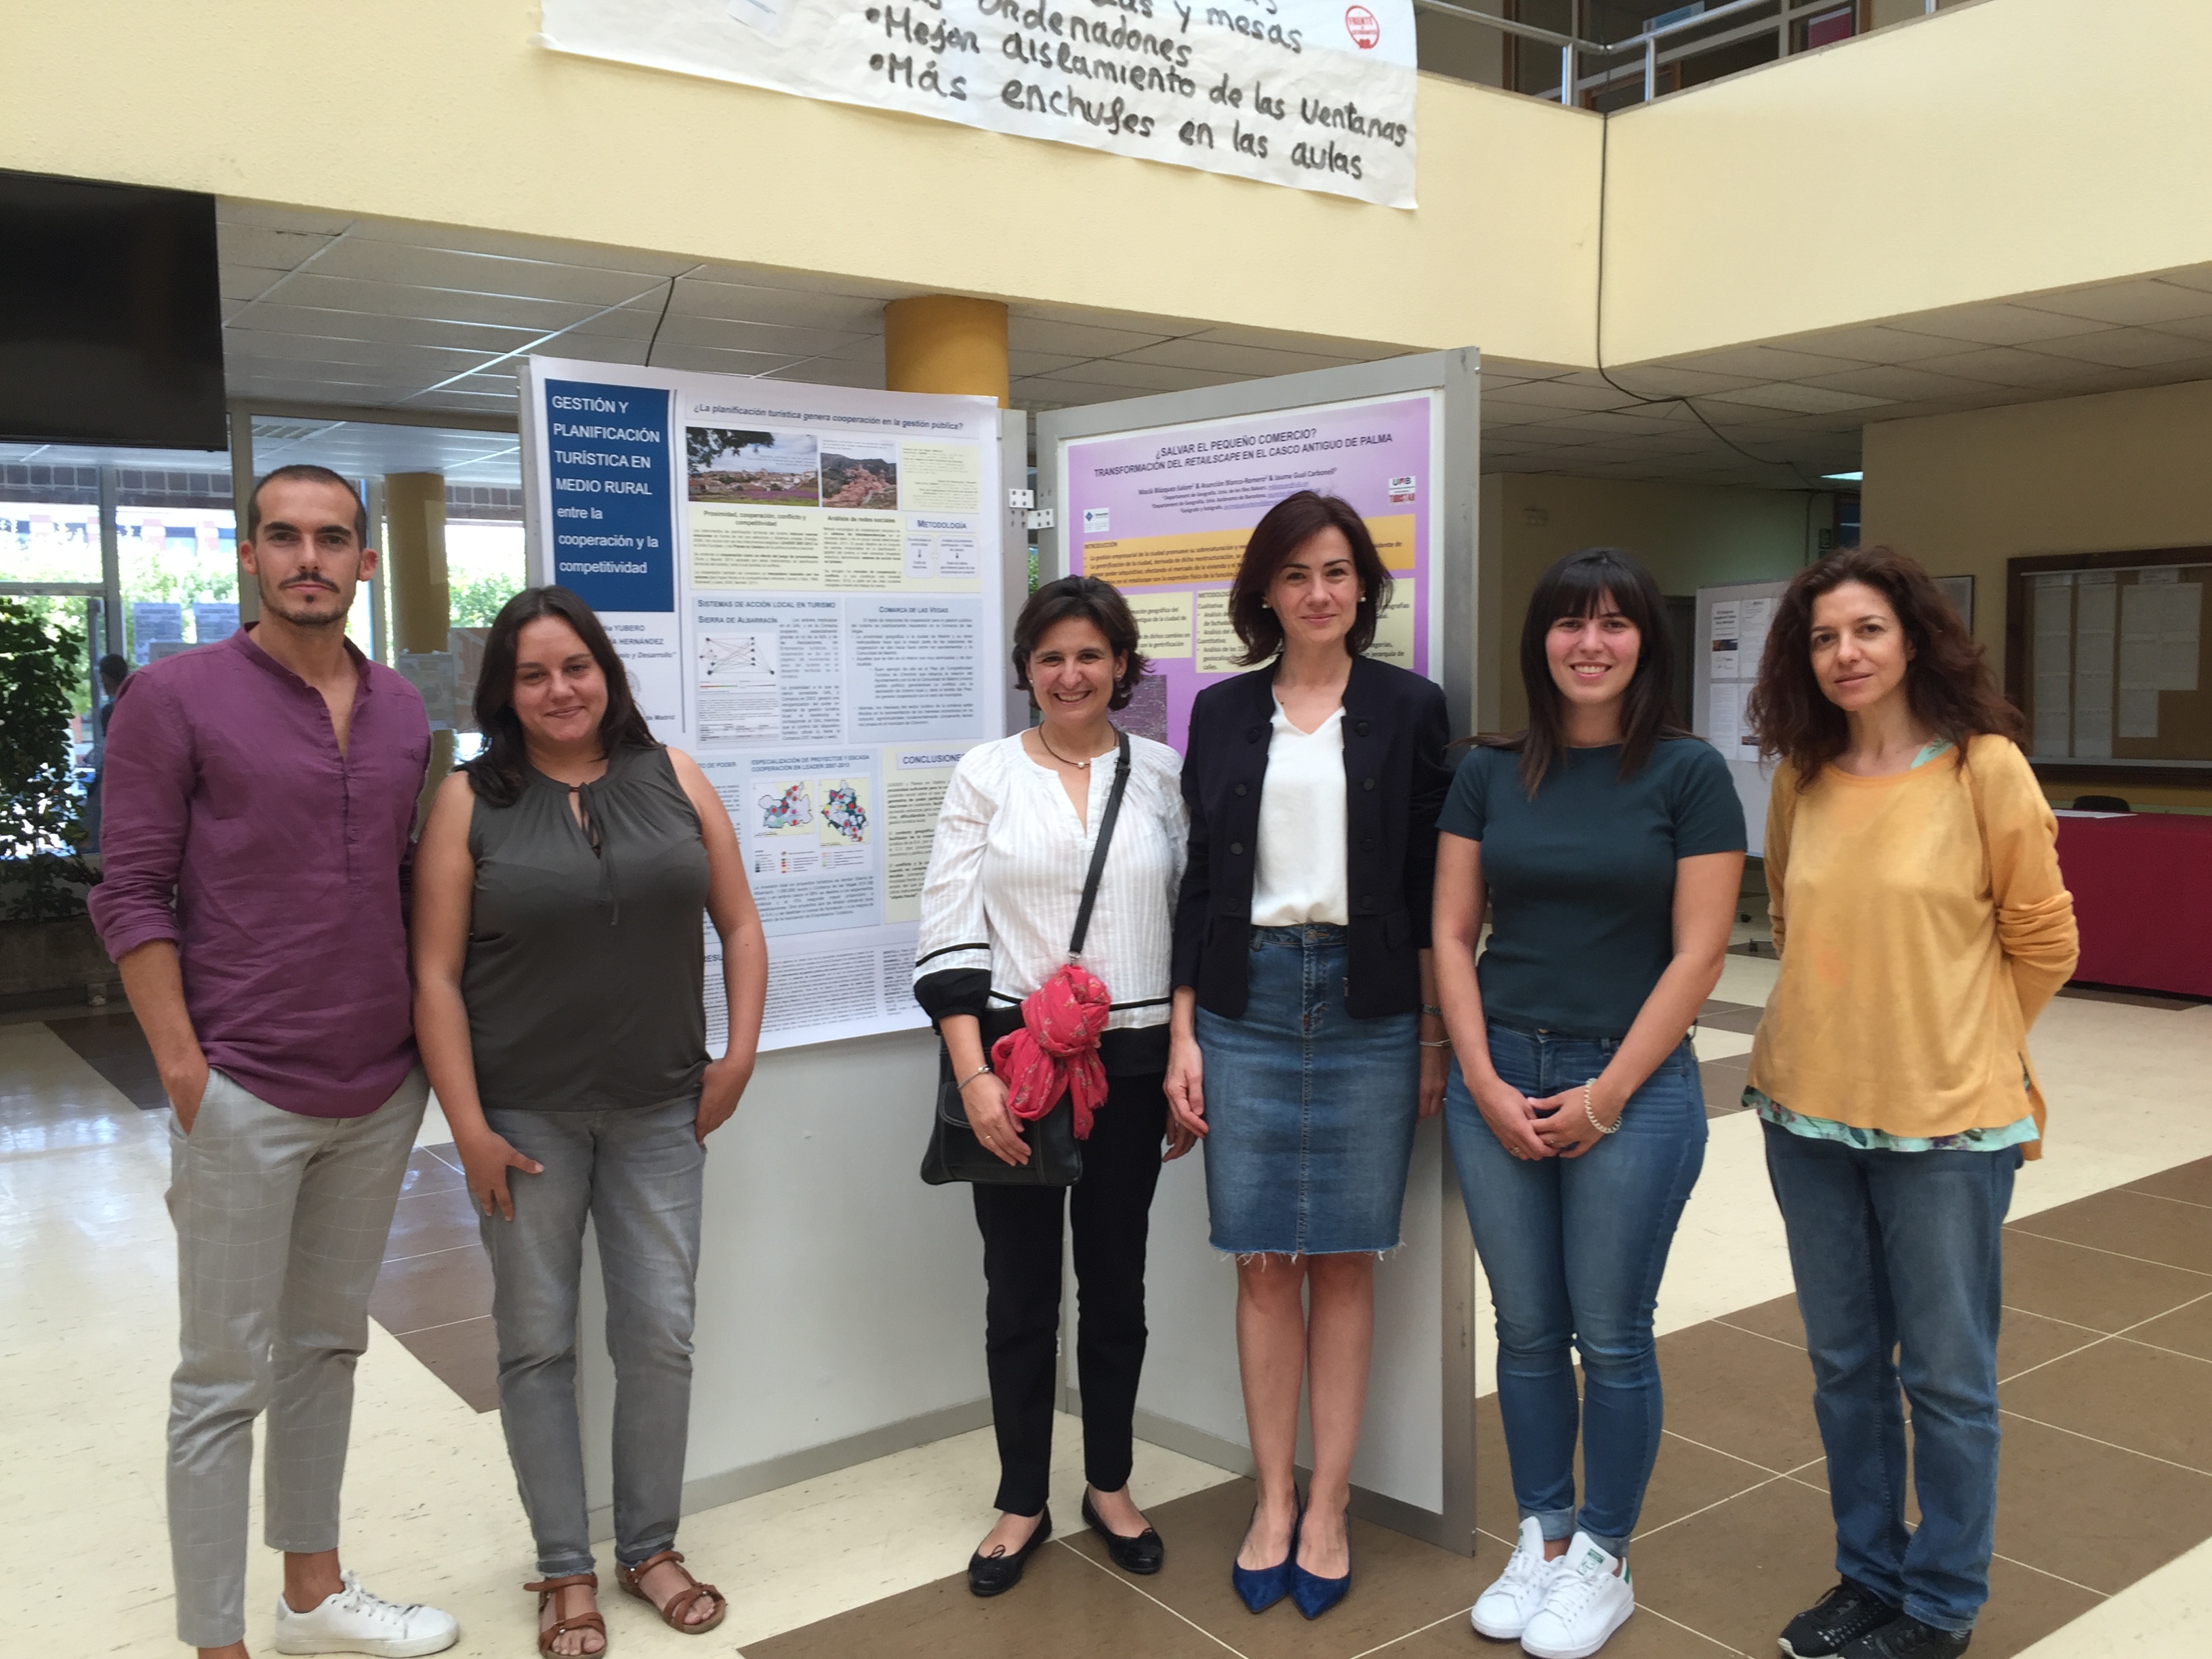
point(114, 669)
point(305, 472)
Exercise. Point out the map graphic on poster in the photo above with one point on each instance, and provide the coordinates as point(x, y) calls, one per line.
point(1164, 514)
point(1317, 94)
point(802, 581)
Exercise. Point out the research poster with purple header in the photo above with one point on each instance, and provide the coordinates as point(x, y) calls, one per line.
point(1164, 514)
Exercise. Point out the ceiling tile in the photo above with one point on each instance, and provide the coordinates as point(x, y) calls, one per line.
point(261, 249)
point(1809, 399)
point(2007, 365)
point(1074, 340)
point(791, 308)
point(481, 273)
point(2125, 348)
point(1559, 396)
point(273, 318)
point(1137, 376)
point(1309, 345)
point(1768, 363)
point(1673, 380)
point(1226, 362)
point(2195, 328)
point(2197, 277)
point(1021, 364)
point(312, 287)
point(231, 210)
point(1873, 344)
point(2134, 302)
point(1995, 324)
point(1899, 384)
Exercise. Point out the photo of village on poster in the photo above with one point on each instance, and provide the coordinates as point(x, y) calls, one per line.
point(1164, 513)
point(803, 583)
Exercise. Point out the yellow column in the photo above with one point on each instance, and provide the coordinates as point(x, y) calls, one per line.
point(943, 342)
point(421, 602)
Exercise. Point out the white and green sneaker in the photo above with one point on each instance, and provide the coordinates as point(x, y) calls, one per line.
point(1590, 1597)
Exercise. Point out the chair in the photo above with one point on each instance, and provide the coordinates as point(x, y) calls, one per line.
point(2101, 803)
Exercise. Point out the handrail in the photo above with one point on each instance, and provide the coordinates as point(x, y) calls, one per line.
point(1648, 43)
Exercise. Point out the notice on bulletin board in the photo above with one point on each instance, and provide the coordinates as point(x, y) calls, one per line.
point(803, 582)
point(1164, 513)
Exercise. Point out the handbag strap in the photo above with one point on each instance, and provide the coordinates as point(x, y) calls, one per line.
point(1098, 851)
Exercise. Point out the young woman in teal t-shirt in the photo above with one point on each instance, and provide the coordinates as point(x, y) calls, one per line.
point(1609, 844)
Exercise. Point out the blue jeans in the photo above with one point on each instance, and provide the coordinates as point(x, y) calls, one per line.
point(1574, 1249)
point(1902, 1252)
point(638, 1175)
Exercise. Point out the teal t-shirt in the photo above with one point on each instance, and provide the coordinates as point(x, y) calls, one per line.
point(1581, 878)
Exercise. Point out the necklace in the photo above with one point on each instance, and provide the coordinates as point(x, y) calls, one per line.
point(1080, 765)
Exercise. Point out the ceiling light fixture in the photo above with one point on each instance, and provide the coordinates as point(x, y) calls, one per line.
point(1845, 478)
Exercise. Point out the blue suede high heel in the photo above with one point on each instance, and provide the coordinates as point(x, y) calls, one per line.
point(1260, 1588)
point(1316, 1595)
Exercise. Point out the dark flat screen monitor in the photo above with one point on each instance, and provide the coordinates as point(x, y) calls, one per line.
point(110, 315)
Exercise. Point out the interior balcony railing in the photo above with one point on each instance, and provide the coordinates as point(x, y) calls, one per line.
point(1653, 61)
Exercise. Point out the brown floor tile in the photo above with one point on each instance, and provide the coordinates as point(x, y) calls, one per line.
point(1778, 1320)
point(1064, 1605)
point(1723, 1080)
point(441, 1219)
point(1730, 1016)
point(2029, 1339)
point(2132, 1223)
point(1685, 1479)
point(2100, 1517)
point(432, 1290)
point(429, 1173)
point(1645, 1636)
point(2090, 1288)
point(1739, 1572)
point(2145, 1399)
point(463, 1357)
point(2192, 1182)
point(1729, 1389)
point(2024, 1607)
point(1399, 1586)
point(113, 1045)
point(2120, 993)
point(2188, 1330)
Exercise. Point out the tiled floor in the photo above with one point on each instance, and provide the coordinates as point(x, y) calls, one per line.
point(2107, 1485)
point(434, 1291)
point(2109, 1299)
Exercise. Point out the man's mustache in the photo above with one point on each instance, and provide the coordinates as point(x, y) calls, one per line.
point(311, 582)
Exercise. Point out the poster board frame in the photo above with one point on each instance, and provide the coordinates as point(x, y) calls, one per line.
point(1463, 585)
point(1752, 778)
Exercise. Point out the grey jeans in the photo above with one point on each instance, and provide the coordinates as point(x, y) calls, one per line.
point(281, 1227)
point(637, 1175)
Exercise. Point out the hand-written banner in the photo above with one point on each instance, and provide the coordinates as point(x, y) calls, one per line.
point(1317, 94)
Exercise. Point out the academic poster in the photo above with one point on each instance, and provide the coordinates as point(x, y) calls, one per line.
point(1164, 514)
point(803, 582)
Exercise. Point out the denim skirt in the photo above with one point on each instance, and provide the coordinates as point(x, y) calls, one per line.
point(1310, 1112)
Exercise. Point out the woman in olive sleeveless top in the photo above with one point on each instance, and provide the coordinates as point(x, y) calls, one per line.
point(559, 969)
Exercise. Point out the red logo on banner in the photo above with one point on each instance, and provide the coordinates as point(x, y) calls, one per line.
point(1360, 24)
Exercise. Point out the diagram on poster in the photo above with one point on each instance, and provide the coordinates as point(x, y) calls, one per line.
point(1164, 513)
point(802, 581)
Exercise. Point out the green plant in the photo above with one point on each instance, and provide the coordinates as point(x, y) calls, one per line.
point(39, 810)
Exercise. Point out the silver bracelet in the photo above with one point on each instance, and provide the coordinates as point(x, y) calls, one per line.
point(960, 1087)
point(1592, 1116)
point(1432, 1011)
point(1442, 1042)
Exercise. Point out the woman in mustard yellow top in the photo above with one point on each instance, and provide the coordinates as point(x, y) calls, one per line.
point(1922, 925)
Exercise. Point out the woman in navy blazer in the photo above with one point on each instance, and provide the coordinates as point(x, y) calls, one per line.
point(1303, 1001)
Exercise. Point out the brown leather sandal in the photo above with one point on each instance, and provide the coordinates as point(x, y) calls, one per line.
point(547, 1589)
point(678, 1604)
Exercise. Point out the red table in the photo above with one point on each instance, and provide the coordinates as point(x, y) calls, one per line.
point(2143, 894)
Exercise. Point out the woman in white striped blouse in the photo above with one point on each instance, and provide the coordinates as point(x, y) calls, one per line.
point(1014, 841)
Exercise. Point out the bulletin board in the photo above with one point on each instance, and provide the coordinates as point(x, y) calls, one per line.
point(2107, 655)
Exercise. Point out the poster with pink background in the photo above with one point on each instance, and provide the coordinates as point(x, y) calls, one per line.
point(1164, 513)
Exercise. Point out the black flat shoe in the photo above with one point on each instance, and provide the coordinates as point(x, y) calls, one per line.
point(1142, 1555)
point(994, 1575)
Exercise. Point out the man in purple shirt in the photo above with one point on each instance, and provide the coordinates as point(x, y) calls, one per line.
point(260, 797)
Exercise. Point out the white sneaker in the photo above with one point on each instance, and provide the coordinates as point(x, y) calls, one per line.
point(1585, 1602)
point(1502, 1611)
point(356, 1621)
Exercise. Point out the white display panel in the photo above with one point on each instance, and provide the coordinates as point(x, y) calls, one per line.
point(803, 582)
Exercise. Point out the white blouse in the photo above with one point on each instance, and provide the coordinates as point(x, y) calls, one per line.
point(1006, 870)
point(1303, 863)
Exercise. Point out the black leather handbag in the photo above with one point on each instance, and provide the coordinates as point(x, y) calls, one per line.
point(1055, 1155)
